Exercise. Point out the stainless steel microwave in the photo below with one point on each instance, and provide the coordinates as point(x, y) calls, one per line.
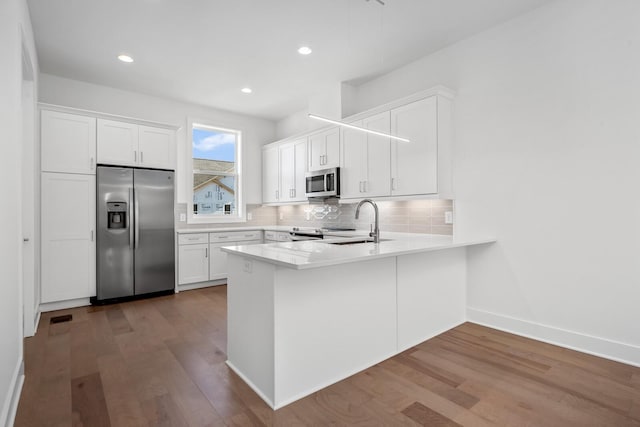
point(323, 183)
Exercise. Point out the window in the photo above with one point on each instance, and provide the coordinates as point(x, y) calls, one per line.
point(216, 178)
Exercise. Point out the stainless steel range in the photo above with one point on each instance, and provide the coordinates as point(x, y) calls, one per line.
point(298, 233)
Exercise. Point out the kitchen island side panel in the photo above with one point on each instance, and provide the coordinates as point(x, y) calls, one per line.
point(331, 323)
point(250, 337)
point(431, 294)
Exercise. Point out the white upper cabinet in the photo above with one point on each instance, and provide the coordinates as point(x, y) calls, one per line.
point(270, 174)
point(284, 166)
point(372, 165)
point(68, 236)
point(117, 143)
point(68, 143)
point(293, 167)
point(365, 159)
point(324, 149)
point(156, 147)
point(377, 181)
point(353, 168)
point(129, 144)
point(414, 165)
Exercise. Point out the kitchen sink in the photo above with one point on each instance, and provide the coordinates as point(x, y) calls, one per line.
point(354, 241)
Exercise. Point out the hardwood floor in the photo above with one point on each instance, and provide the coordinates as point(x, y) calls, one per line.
point(160, 362)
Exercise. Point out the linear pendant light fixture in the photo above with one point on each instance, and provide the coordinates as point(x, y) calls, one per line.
point(347, 125)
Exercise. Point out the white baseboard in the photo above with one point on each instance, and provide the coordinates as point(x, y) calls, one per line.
point(201, 285)
point(10, 406)
point(601, 347)
point(63, 305)
point(37, 324)
point(416, 342)
point(251, 384)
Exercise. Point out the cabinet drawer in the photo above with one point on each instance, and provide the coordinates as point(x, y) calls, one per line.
point(284, 237)
point(235, 236)
point(193, 238)
point(271, 235)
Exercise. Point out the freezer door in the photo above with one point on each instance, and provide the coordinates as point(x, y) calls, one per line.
point(154, 231)
point(114, 232)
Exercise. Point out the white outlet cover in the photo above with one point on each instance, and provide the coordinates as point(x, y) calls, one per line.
point(183, 217)
point(248, 266)
point(448, 217)
point(281, 215)
point(249, 216)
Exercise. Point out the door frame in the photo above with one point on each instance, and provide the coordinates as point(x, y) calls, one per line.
point(29, 203)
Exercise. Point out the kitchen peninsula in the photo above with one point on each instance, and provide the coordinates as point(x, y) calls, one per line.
point(303, 315)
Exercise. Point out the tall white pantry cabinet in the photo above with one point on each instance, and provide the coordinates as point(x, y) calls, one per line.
point(73, 143)
point(68, 206)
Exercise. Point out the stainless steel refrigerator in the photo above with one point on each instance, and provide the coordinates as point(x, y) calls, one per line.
point(135, 232)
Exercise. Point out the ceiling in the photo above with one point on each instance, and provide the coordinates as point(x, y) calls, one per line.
point(205, 51)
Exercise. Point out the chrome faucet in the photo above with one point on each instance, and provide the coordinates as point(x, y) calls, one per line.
point(376, 231)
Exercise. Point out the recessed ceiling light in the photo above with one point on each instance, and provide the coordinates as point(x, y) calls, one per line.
point(125, 58)
point(304, 50)
point(246, 90)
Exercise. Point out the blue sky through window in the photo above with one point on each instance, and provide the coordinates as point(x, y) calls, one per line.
point(214, 145)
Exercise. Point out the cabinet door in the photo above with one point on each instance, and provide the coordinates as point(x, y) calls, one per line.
point(218, 261)
point(300, 159)
point(68, 143)
point(117, 143)
point(270, 175)
point(317, 149)
point(377, 161)
point(68, 236)
point(193, 263)
point(293, 167)
point(156, 147)
point(353, 162)
point(324, 149)
point(287, 172)
point(332, 155)
point(414, 164)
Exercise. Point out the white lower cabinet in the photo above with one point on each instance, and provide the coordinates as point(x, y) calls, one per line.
point(200, 258)
point(68, 236)
point(217, 261)
point(193, 263)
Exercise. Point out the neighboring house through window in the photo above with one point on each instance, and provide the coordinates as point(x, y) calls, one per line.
point(216, 174)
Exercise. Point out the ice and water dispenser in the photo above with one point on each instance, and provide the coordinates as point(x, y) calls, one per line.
point(116, 215)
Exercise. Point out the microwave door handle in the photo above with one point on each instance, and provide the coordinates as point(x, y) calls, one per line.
point(326, 183)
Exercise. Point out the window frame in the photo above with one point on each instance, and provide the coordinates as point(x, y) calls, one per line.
point(240, 215)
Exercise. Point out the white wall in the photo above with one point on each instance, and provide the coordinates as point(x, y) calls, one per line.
point(547, 160)
point(256, 132)
point(14, 21)
point(334, 101)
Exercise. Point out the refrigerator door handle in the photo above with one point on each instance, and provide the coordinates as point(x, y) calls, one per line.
point(135, 220)
point(130, 218)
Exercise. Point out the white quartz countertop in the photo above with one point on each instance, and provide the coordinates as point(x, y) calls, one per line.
point(321, 253)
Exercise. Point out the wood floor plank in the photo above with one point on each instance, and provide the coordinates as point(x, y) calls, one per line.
point(408, 371)
point(161, 361)
point(120, 392)
point(83, 354)
point(163, 411)
point(117, 320)
point(428, 417)
point(88, 402)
